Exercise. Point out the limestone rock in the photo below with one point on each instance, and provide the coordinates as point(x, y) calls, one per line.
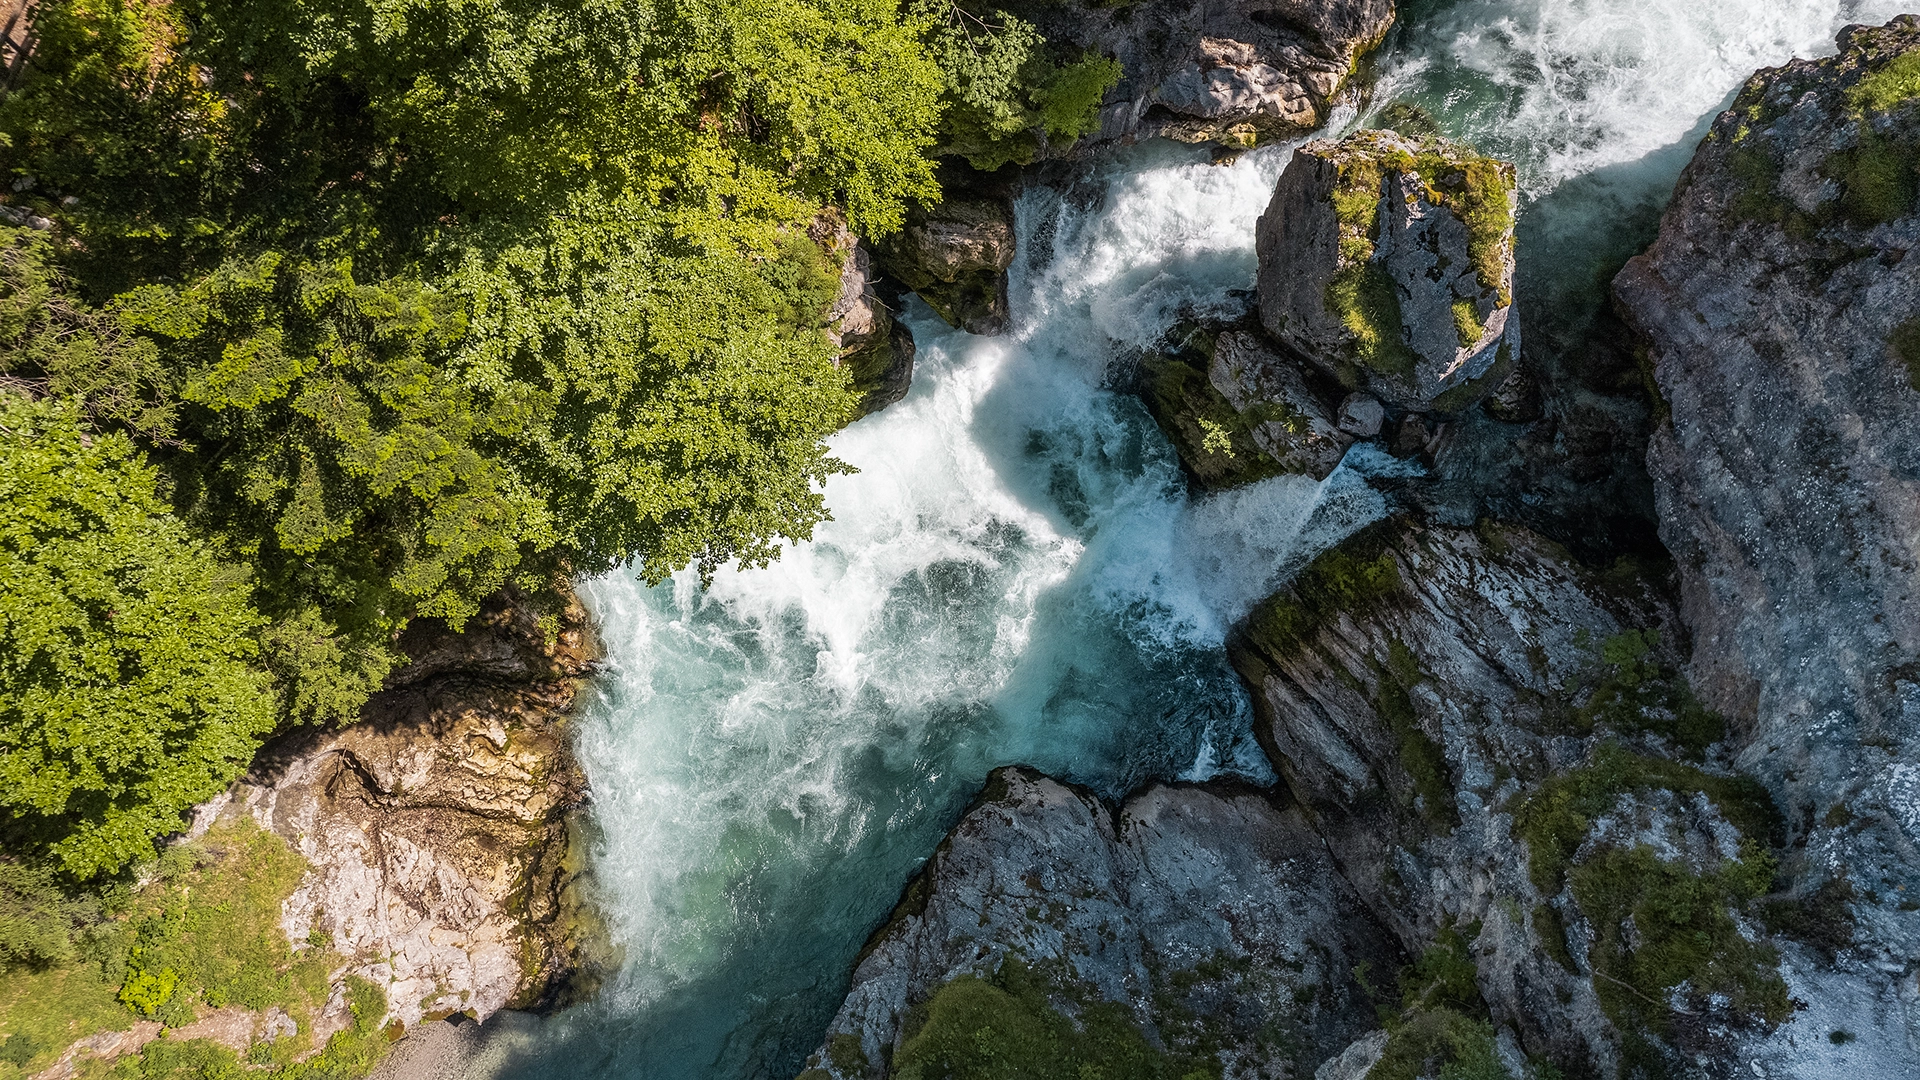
point(1782, 311)
point(955, 256)
point(878, 350)
point(1388, 262)
point(1233, 73)
point(1220, 901)
point(436, 828)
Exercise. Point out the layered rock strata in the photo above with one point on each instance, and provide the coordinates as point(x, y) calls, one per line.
point(437, 827)
point(1233, 73)
point(1212, 914)
point(1387, 262)
point(1781, 306)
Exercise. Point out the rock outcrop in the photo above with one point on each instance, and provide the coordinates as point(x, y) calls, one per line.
point(1211, 913)
point(877, 350)
point(955, 255)
point(1237, 411)
point(1232, 73)
point(1498, 746)
point(436, 828)
point(1387, 262)
point(1781, 306)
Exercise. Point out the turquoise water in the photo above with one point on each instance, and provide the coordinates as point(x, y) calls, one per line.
point(1017, 573)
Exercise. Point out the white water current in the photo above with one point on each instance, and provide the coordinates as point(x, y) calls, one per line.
point(1017, 574)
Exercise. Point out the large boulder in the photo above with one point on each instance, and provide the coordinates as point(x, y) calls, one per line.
point(876, 349)
point(1234, 73)
point(1781, 308)
point(1212, 915)
point(1499, 747)
point(955, 255)
point(1387, 261)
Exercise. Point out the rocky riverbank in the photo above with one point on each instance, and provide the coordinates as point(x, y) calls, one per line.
point(1547, 809)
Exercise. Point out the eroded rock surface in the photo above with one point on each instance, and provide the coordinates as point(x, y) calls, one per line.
point(1387, 262)
point(1782, 308)
point(1233, 73)
point(955, 255)
point(1207, 912)
point(436, 828)
point(876, 349)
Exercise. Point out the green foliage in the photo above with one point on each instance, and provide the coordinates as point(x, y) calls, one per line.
point(1637, 691)
point(1895, 83)
point(847, 1055)
point(1659, 926)
point(1439, 1043)
point(1905, 345)
point(1008, 1028)
point(1213, 439)
point(1554, 819)
point(1444, 976)
point(1006, 96)
point(38, 918)
point(126, 692)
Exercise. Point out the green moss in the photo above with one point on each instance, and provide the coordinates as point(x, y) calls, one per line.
point(1467, 324)
point(1420, 756)
point(1756, 175)
point(1894, 84)
point(1362, 297)
point(1009, 1028)
point(847, 1055)
point(1439, 1043)
point(1554, 819)
point(1354, 577)
point(1637, 691)
point(1658, 927)
point(1905, 344)
point(1876, 178)
point(1214, 441)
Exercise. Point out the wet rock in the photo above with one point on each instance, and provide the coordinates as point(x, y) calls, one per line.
point(876, 349)
point(1209, 909)
point(1238, 411)
point(436, 828)
point(1388, 262)
point(1782, 311)
point(1433, 695)
point(1235, 73)
point(955, 255)
point(1362, 416)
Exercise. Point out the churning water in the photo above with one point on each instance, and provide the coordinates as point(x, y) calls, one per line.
point(1016, 574)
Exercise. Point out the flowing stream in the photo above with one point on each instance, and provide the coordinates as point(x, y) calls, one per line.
point(1017, 574)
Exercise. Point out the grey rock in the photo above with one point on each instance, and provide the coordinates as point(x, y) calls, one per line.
point(955, 255)
point(1123, 901)
point(1288, 420)
point(1788, 480)
point(1396, 295)
point(1356, 1060)
point(876, 348)
point(1234, 73)
point(1361, 415)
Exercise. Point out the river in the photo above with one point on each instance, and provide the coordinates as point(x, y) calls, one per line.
point(1017, 574)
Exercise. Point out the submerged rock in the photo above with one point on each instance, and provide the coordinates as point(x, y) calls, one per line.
point(436, 828)
point(1234, 73)
point(1211, 914)
point(955, 255)
point(1781, 305)
point(1388, 262)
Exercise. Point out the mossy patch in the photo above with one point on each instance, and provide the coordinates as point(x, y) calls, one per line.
point(1353, 577)
point(1637, 691)
point(1008, 1027)
point(1466, 323)
point(1877, 179)
point(1420, 756)
point(1442, 1029)
point(1213, 439)
point(1895, 83)
point(1822, 919)
point(1905, 345)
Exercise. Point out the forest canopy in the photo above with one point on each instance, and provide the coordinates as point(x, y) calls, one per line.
point(345, 313)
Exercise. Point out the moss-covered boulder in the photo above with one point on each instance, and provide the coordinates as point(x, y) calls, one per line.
point(1388, 262)
point(955, 256)
point(1237, 411)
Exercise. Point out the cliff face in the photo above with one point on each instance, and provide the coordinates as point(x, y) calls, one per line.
point(1213, 915)
point(1782, 311)
point(436, 828)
